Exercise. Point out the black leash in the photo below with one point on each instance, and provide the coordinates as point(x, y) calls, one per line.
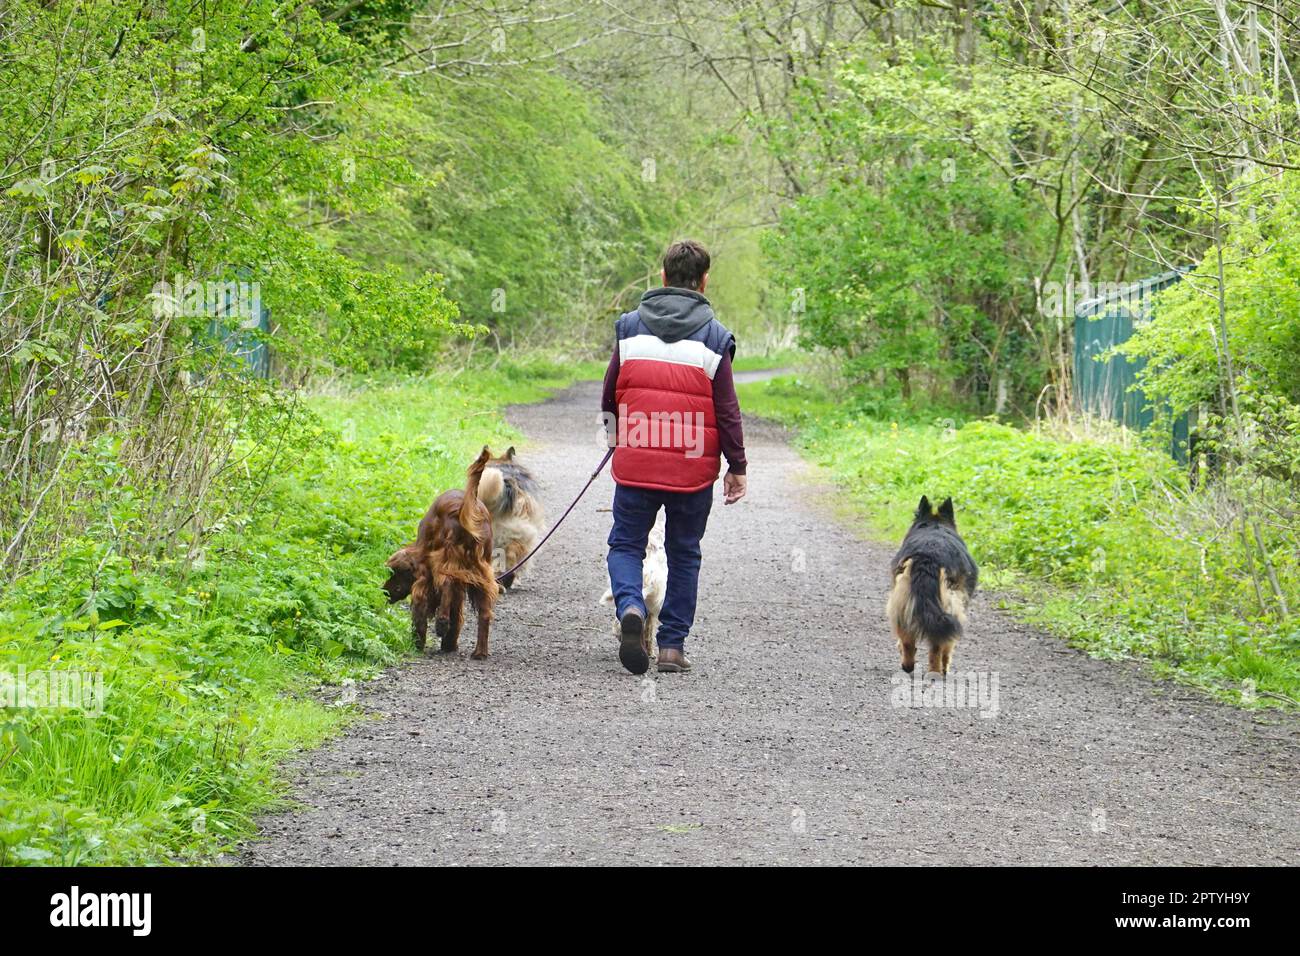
point(537, 547)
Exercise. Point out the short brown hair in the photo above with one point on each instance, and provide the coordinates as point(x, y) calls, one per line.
point(685, 264)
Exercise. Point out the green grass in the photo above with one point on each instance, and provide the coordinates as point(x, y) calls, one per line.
point(209, 670)
point(749, 363)
point(1098, 542)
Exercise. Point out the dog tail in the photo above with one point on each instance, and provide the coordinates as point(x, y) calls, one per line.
point(491, 487)
point(471, 519)
point(927, 611)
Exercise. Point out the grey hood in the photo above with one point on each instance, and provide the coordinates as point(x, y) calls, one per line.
point(674, 314)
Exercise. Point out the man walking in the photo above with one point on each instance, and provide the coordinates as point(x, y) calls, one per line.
point(670, 408)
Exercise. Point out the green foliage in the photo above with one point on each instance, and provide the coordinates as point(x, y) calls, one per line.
point(535, 217)
point(149, 149)
point(210, 170)
point(912, 263)
point(1262, 297)
point(903, 279)
point(1131, 563)
point(1223, 343)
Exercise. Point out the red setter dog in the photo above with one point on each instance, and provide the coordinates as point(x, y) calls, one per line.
point(450, 560)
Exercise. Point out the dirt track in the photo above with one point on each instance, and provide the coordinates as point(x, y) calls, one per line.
point(784, 745)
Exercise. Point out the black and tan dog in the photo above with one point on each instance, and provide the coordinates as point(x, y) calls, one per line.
point(451, 560)
point(934, 577)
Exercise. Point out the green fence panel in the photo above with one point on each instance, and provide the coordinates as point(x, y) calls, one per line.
point(1107, 387)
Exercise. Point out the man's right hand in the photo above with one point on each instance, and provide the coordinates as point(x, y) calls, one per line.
point(733, 488)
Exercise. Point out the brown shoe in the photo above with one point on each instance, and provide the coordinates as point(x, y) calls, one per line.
point(673, 661)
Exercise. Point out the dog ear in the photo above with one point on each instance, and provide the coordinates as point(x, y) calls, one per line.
point(403, 559)
point(945, 512)
point(923, 510)
point(510, 453)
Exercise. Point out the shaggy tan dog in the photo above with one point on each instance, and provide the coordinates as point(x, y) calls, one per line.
point(510, 493)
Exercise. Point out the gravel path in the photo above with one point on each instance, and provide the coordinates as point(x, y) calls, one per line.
point(785, 744)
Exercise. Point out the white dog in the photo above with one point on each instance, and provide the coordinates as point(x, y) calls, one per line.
point(654, 583)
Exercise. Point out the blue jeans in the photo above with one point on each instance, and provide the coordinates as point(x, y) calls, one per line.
point(686, 514)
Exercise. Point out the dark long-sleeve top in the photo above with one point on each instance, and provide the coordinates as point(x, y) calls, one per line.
point(726, 409)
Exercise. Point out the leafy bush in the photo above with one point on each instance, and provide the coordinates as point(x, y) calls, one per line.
point(1222, 343)
point(892, 295)
point(1183, 340)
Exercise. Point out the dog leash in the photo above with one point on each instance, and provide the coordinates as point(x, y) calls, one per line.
point(537, 547)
